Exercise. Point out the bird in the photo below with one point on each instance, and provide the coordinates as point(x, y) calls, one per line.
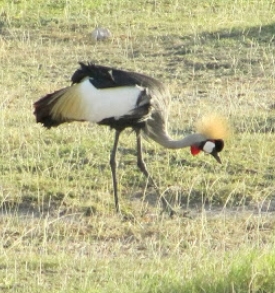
point(124, 99)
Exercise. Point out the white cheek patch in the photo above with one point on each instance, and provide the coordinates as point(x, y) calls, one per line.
point(208, 147)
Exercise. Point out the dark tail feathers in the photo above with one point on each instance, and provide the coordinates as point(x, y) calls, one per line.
point(43, 107)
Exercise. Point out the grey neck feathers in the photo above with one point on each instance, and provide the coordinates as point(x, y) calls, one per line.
point(187, 141)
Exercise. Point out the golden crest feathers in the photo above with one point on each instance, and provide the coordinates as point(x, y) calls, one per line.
point(213, 126)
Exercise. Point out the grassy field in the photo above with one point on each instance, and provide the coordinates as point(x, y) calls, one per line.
point(59, 231)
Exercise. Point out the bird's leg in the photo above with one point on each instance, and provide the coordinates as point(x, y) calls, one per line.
point(140, 162)
point(142, 166)
point(113, 166)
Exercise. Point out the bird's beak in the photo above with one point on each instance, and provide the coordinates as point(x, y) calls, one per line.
point(216, 156)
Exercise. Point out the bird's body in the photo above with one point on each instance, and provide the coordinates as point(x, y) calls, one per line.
point(106, 96)
point(95, 104)
point(120, 99)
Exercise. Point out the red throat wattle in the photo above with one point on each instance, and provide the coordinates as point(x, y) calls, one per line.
point(194, 150)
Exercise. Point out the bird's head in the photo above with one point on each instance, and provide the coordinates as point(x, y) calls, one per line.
point(214, 129)
point(212, 147)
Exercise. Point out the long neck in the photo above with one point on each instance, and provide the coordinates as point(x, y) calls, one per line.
point(187, 141)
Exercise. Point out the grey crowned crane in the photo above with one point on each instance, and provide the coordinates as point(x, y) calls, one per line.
point(121, 99)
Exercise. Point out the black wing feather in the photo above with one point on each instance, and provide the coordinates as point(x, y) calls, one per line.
point(106, 77)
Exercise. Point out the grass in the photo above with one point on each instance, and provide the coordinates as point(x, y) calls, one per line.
point(59, 232)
